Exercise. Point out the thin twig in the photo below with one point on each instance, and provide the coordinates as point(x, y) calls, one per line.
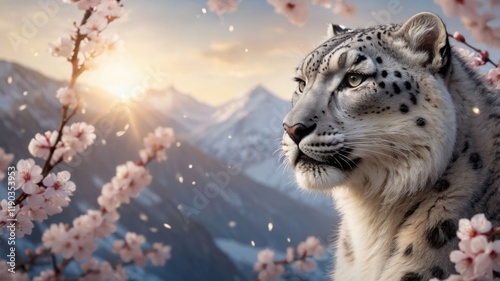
point(479, 51)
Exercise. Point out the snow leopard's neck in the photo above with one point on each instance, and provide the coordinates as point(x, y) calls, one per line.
point(374, 223)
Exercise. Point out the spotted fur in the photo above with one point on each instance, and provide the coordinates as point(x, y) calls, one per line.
point(403, 153)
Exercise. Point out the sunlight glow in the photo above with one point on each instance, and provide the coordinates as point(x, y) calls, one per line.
point(119, 78)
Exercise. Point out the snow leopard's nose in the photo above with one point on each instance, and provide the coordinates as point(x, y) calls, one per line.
point(298, 131)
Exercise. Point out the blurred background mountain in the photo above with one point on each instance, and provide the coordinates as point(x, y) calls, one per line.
point(215, 197)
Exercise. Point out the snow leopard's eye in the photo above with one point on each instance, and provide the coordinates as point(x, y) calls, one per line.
point(353, 80)
point(301, 86)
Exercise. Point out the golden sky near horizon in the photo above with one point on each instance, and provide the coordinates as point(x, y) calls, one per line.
point(214, 58)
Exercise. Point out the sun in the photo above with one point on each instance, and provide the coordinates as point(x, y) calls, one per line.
point(118, 77)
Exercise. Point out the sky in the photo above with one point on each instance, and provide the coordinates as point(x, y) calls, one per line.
point(213, 58)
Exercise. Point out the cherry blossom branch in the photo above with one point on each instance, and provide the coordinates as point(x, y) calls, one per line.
point(483, 54)
point(286, 262)
point(270, 270)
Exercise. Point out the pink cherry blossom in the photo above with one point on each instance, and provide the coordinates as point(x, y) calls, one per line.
point(34, 209)
point(463, 262)
point(52, 234)
point(108, 225)
point(96, 23)
point(28, 176)
point(495, 255)
point(290, 254)
point(54, 205)
point(113, 44)
point(7, 211)
point(222, 6)
point(493, 77)
point(156, 143)
point(23, 225)
point(266, 267)
point(59, 185)
point(311, 246)
point(8, 276)
point(5, 160)
point(78, 136)
point(63, 47)
point(110, 9)
point(454, 8)
point(296, 11)
point(130, 249)
point(306, 265)
point(131, 179)
point(67, 97)
point(470, 57)
point(468, 229)
point(343, 9)
point(159, 254)
point(87, 4)
point(47, 275)
point(40, 145)
point(322, 3)
point(263, 258)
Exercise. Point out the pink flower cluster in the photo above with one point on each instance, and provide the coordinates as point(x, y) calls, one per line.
point(222, 6)
point(297, 11)
point(45, 196)
point(129, 181)
point(93, 270)
point(476, 21)
point(78, 241)
point(130, 250)
point(477, 256)
point(270, 270)
point(93, 43)
point(156, 143)
point(75, 139)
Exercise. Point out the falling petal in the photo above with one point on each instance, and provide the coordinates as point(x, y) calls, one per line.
point(9, 80)
point(22, 107)
point(120, 133)
point(231, 28)
point(190, 166)
point(252, 243)
point(270, 226)
point(143, 217)
point(153, 229)
point(476, 110)
point(232, 224)
point(288, 240)
point(103, 141)
point(193, 183)
point(166, 225)
point(178, 144)
point(181, 179)
point(126, 127)
point(25, 93)
point(204, 10)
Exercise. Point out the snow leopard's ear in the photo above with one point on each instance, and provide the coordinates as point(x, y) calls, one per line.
point(334, 30)
point(426, 32)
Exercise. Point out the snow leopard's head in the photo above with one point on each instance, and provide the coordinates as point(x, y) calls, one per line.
point(372, 110)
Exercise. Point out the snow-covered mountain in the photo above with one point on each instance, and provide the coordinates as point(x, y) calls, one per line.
point(206, 229)
point(180, 107)
point(246, 131)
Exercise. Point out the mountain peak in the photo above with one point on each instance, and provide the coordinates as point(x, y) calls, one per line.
point(258, 92)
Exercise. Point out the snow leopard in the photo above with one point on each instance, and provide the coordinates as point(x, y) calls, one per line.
point(405, 136)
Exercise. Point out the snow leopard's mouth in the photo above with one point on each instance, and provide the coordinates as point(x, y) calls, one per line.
point(340, 159)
